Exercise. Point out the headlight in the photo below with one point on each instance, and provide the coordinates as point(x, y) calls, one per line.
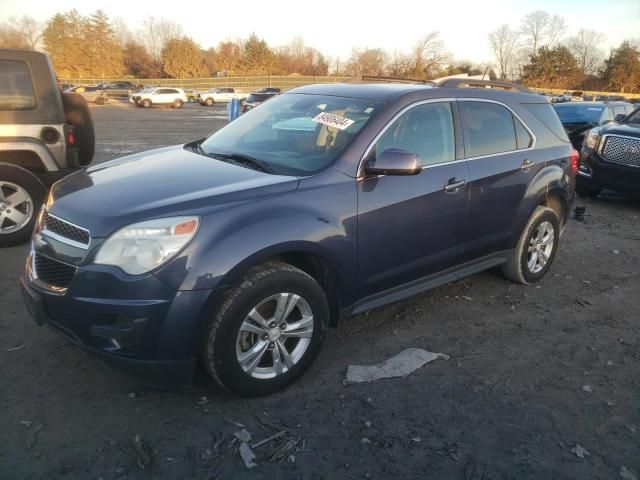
point(592, 138)
point(144, 246)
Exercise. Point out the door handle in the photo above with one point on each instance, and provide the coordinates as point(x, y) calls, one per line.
point(454, 185)
point(527, 164)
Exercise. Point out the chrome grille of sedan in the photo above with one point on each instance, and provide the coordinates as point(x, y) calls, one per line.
point(622, 150)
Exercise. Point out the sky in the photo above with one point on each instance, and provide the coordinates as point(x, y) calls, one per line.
point(334, 27)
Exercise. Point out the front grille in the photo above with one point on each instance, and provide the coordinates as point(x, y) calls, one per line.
point(52, 272)
point(622, 150)
point(66, 229)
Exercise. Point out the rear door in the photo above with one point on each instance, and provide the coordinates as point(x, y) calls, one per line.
point(411, 226)
point(502, 164)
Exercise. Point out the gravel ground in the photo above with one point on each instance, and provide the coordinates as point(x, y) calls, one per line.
point(536, 374)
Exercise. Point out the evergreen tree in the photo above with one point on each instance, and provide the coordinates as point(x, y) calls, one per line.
point(622, 69)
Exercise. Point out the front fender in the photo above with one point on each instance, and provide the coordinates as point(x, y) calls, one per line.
point(318, 219)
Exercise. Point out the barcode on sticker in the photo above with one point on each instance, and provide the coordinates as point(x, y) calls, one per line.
point(333, 120)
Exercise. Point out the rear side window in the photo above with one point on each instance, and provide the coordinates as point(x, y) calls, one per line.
point(549, 118)
point(488, 128)
point(16, 88)
point(426, 130)
point(618, 110)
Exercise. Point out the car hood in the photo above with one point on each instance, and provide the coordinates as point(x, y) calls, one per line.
point(620, 129)
point(158, 183)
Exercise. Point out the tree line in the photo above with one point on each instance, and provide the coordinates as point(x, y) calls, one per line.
point(538, 52)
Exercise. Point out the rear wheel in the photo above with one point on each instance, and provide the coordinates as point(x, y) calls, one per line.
point(21, 194)
point(536, 248)
point(177, 104)
point(267, 332)
point(209, 102)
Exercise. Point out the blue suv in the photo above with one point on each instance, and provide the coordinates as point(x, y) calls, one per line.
point(238, 250)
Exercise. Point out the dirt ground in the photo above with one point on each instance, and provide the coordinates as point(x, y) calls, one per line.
point(534, 372)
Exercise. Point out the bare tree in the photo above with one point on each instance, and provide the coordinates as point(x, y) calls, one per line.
point(429, 54)
point(556, 29)
point(504, 45)
point(399, 64)
point(122, 32)
point(155, 34)
point(370, 61)
point(585, 46)
point(21, 32)
point(535, 26)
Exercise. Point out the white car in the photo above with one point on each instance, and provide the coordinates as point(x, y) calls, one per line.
point(219, 95)
point(159, 96)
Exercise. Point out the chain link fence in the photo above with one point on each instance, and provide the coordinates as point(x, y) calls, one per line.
point(243, 82)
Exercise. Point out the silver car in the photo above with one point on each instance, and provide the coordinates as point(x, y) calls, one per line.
point(90, 93)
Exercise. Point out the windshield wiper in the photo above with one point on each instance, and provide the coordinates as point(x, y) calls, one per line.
point(243, 160)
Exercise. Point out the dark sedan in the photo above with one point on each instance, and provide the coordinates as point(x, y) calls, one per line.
point(579, 117)
point(255, 99)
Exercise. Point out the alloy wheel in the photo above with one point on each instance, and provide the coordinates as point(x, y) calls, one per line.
point(16, 207)
point(274, 335)
point(541, 246)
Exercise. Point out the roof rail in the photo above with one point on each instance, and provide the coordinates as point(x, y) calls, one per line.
point(469, 83)
point(387, 79)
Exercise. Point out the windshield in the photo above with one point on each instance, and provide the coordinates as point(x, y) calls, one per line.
point(634, 117)
point(574, 113)
point(294, 134)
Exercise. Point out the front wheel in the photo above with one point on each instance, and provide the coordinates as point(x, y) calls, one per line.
point(146, 103)
point(21, 195)
point(209, 102)
point(536, 248)
point(177, 104)
point(267, 332)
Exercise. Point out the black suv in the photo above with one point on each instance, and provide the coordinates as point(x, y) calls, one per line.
point(327, 201)
point(610, 158)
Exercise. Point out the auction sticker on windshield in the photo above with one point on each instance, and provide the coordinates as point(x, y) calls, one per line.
point(332, 120)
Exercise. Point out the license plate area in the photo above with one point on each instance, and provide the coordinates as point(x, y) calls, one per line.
point(33, 303)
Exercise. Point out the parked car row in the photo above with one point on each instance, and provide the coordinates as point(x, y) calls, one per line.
point(607, 135)
point(177, 97)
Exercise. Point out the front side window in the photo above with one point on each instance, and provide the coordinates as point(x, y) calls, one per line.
point(16, 88)
point(488, 128)
point(426, 130)
point(294, 134)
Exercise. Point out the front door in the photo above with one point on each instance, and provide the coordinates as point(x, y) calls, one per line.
point(411, 226)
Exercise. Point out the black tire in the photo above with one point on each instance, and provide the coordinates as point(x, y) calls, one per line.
point(77, 114)
point(222, 333)
point(209, 102)
point(146, 103)
point(516, 268)
point(36, 192)
point(588, 192)
point(177, 104)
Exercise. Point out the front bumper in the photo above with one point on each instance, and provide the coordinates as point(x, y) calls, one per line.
point(595, 172)
point(138, 325)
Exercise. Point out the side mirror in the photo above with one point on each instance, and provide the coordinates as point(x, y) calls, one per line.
point(619, 117)
point(394, 161)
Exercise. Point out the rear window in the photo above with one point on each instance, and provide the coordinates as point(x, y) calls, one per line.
point(16, 88)
point(488, 129)
point(547, 115)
